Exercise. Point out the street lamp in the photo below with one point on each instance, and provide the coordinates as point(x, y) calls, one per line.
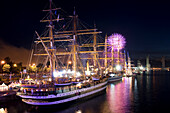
point(2, 62)
point(15, 65)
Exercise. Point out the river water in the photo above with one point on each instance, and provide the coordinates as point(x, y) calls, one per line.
point(140, 94)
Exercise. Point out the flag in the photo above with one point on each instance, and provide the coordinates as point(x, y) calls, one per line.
point(58, 18)
point(55, 12)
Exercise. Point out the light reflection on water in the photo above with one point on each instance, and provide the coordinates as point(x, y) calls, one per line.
point(132, 94)
point(118, 96)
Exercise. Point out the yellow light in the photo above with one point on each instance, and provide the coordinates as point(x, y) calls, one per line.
point(79, 111)
point(69, 62)
point(2, 62)
point(79, 85)
point(33, 64)
point(50, 79)
point(15, 65)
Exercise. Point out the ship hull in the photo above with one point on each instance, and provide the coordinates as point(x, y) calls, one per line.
point(114, 79)
point(77, 95)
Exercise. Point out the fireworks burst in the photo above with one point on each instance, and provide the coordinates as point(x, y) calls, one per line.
point(117, 41)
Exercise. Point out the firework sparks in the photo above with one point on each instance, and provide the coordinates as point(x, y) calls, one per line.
point(117, 41)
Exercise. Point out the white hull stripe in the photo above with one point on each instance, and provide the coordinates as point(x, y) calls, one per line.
point(66, 100)
point(62, 94)
point(110, 80)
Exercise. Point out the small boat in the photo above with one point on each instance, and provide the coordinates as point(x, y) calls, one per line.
point(114, 77)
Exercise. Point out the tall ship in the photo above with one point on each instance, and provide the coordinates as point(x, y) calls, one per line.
point(115, 59)
point(68, 79)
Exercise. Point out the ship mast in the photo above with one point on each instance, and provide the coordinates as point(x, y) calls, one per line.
point(94, 47)
point(74, 42)
point(66, 35)
point(52, 49)
point(105, 53)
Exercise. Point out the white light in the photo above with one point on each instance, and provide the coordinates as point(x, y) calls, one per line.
point(78, 85)
point(73, 71)
point(118, 67)
point(96, 69)
point(79, 111)
point(92, 73)
point(64, 71)
point(87, 72)
point(141, 68)
point(78, 74)
point(55, 74)
point(112, 75)
point(49, 79)
point(69, 71)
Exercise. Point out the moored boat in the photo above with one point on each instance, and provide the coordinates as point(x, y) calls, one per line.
point(114, 78)
point(68, 95)
point(61, 87)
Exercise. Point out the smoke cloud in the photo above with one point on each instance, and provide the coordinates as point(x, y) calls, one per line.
point(16, 54)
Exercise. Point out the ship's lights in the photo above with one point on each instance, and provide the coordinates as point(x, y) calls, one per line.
point(87, 72)
point(118, 67)
point(92, 73)
point(96, 69)
point(21, 88)
point(57, 74)
point(50, 79)
point(141, 67)
point(78, 74)
point(112, 75)
point(69, 62)
point(73, 71)
point(64, 71)
point(69, 71)
point(79, 85)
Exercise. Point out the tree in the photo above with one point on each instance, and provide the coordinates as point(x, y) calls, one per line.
point(32, 69)
point(7, 60)
point(39, 67)
point(6, 68)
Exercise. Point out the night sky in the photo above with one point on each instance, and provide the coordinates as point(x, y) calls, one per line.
point(144, 24)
